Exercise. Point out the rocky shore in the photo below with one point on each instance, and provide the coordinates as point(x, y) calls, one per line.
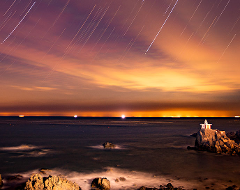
point(38, 182)
point(216, 141)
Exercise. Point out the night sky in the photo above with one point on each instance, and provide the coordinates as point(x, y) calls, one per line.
point(113, 57)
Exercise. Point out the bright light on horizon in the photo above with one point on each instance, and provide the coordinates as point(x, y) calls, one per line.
point(75, 116)
point(123, 116)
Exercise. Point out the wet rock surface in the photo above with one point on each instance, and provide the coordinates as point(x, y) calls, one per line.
point(216, 141)
point(100, 184)
point(37, 182)
point(108, 145)
point(120, 179)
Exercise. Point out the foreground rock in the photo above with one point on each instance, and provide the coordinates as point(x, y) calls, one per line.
point(169, 186)
point(120, 179)
point(37, 182)
point(109, 145)
point(216, 141)
point(1, 182)
point(100, 183)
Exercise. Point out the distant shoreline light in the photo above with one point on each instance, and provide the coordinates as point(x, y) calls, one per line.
point(21, 115)
point(237, 116)
point(123, 116)
point(175, 116)
point(75, 116)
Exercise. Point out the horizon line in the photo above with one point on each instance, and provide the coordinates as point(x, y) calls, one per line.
point(174, 117)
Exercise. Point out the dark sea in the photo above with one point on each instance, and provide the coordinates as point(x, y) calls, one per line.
point(149, 151)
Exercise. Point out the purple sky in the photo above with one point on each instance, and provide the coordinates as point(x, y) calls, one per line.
point(114, 57)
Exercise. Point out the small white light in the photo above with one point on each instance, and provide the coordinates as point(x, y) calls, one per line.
point(123, 116)
point(75, 116)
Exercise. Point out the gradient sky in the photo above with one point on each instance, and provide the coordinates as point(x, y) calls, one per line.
point(91, 57)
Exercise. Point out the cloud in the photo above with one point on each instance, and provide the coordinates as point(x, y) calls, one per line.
point(36, 88)
point(44, 88)
point(48, 60)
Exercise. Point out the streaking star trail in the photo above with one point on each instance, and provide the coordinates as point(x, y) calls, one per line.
point(191, 17)
point(88, 58)
point(222, 12)
point(227, 47)
point(161, 27)
point(18, 23)
point(9, 8)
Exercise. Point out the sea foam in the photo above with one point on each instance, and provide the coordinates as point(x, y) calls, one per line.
point(117, 147)
point(20, 147)
point(27, 150)
point(119, 178)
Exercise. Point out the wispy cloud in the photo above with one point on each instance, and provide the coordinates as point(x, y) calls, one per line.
point(36, 88)
point(93, 51)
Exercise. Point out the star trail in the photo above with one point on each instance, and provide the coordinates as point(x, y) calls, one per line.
point(119, 57)
point(18, 23)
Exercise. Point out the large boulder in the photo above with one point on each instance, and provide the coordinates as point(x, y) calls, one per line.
point(109, 145)
point(101, 184)
point(37, 182)
point(216, 141)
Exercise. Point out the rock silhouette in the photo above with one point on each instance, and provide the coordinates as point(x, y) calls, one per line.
point(109, 145)
point(216, 141)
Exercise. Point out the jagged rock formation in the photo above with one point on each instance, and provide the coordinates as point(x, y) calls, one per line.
point(216, 141)
point(1, 182)
point(100, 184)
point(37, 182)
point(109, 145)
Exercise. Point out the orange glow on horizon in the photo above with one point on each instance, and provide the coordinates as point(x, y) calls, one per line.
point(172, 114)
point(50, 67)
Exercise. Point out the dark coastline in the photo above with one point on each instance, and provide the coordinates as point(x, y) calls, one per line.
point(157, 146)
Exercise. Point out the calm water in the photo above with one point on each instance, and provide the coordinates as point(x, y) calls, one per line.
point(151, 149)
